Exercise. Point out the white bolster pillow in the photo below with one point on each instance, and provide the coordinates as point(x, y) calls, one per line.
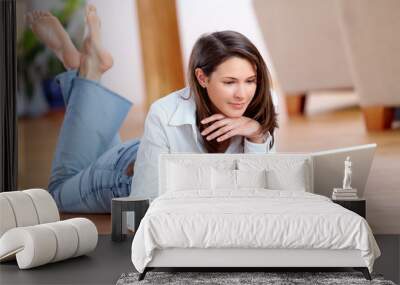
point(40, 244)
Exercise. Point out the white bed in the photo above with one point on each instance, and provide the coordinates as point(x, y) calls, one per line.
point(236, 211)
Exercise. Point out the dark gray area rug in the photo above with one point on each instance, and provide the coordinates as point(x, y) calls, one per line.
point(273, 278)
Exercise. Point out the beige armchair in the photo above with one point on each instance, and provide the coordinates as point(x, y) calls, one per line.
point(306, 48)
point(371, 30)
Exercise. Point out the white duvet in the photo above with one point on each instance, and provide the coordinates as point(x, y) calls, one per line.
point(252, 218)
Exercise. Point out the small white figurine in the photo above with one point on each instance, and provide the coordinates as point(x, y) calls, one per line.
point(347, 174)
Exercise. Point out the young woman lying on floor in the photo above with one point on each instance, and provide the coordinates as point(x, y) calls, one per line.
point(227, 108)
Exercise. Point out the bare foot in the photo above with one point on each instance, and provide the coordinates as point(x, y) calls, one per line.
point(50, 31)
point(95, 59)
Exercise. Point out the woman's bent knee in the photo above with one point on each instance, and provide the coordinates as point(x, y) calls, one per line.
point(91, 191)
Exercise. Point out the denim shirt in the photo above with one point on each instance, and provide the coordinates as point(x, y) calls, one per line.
point(170, 127)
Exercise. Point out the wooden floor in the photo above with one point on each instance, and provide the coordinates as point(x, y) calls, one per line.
point(333, 121)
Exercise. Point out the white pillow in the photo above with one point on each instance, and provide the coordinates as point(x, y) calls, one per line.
point(251, 178)
point(188, 177)
point(228, 179)
point(223, 179)
point(293, 178)
point(284, 173)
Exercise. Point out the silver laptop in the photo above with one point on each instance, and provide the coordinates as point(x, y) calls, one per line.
point(329, 168)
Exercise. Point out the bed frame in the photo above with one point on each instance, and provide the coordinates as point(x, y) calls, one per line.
point(240, 259)
point(260, 259)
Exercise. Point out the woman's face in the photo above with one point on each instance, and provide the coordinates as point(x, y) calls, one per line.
point(231, 86)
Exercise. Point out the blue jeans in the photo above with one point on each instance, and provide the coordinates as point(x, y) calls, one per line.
point(90, 162)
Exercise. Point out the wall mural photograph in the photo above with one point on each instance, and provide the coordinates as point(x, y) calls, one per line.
point(175, 142)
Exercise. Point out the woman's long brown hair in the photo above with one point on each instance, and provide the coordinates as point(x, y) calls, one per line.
point(210, 51)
